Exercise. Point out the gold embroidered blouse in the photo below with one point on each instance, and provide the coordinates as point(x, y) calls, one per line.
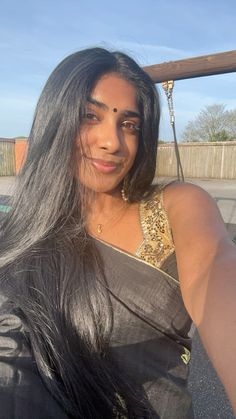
point(157, 244)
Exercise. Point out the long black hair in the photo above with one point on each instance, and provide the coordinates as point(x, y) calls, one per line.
point(49, 264)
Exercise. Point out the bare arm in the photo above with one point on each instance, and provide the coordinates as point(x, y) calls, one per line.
point(206, 260)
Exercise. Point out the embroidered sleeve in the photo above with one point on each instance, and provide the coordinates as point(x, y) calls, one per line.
point(158, 242)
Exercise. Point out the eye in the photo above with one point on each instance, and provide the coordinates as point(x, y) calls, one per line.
point(131, 126)
point(91, 116)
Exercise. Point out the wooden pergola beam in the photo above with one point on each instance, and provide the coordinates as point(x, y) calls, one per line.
point(206, 65)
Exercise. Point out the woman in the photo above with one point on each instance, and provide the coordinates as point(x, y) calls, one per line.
point(93, 319)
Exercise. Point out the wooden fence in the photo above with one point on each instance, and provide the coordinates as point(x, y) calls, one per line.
point(12, 152)
point(7, 158)
point(199, 160)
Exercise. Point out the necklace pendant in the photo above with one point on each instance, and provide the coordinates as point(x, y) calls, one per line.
point(99, 228)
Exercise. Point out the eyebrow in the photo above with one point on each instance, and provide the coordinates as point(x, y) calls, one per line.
point(131, 114)
point(97, 103)
point(127, 113)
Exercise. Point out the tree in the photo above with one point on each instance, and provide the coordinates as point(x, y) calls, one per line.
point(231, 124)
point(213, 123)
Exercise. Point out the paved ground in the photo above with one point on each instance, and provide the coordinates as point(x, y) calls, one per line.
point(209, 398)
point(6, 185)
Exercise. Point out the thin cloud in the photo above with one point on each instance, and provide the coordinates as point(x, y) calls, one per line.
point(148, 54)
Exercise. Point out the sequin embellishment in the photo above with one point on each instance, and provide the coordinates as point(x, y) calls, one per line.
point(158, 243)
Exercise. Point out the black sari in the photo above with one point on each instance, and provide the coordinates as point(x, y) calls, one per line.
point(149, 343)
point(150, 339)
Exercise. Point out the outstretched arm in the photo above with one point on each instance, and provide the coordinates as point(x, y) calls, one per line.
point(206, 259)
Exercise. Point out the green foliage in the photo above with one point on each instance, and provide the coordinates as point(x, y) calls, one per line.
point(221, 136)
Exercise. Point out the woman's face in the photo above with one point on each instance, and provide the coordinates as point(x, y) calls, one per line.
point(109, 134)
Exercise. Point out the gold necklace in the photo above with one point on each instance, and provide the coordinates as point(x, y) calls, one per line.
point(100, 226)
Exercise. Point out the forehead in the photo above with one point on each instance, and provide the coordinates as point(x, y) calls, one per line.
point(115, 92)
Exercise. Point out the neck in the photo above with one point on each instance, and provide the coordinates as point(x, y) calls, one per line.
point(105, 210)
point(104, 203)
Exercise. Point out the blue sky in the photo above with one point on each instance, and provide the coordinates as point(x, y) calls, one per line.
point(35, 36)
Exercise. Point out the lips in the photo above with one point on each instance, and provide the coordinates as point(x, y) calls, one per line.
point(105, 166)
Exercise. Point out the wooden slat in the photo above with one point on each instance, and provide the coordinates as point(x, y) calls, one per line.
point(7, 158)
point(206, 65)
point(199, 160)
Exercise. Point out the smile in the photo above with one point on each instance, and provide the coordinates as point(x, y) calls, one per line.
point(104, 166)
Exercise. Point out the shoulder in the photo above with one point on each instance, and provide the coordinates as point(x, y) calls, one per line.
point(189, 205)
point(194, 216)
point(185, 204)
point(184, 193)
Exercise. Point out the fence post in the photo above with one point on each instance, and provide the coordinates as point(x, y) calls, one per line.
point(20, 152)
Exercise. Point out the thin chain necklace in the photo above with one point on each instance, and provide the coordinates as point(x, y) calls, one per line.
point(100, 226)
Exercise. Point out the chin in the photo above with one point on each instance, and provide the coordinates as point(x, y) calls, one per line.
point(102, 185)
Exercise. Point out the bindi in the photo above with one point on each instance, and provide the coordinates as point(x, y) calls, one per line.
point(114, 109)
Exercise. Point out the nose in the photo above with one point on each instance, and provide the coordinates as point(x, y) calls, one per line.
point(109, 137)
